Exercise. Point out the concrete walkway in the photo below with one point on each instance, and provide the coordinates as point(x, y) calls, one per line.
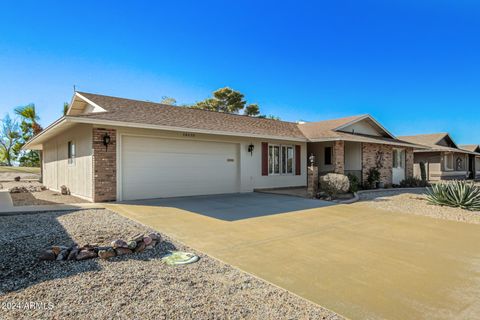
point(360, 262)
point(6, 202)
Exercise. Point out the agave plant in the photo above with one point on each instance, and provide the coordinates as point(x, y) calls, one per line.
point(461, 194)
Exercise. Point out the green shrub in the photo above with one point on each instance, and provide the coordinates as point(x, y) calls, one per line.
point(455, 193)
point(413, 182)
point(354, 183)
point(373, 176)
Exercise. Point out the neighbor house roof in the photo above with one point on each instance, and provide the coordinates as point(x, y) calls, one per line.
point(431, 142)
point(471, 147)
point(331, 130)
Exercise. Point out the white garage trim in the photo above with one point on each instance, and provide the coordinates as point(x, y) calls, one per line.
point(234, 177)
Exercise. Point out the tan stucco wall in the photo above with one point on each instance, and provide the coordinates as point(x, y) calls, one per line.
point(435, 165)
point(318, 150)
point(56, 170)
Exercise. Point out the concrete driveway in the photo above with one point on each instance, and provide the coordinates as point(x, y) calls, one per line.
point(357, 261)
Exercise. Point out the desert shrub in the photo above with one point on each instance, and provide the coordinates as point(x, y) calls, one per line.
point(354, 182)
point(461, 194)
point(334, 183)
point(373, 176)
point(412, 182)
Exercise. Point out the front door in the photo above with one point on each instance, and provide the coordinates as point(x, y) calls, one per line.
point(398, 168)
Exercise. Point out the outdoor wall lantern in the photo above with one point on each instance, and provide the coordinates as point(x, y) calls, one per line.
point(250, 149)
point(312, 159)
point(106, 141)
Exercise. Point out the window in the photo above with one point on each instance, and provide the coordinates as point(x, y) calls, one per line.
point(328, 155)
point(398, 158)
point(71, 152)
point(280, 159)
point(448, 161)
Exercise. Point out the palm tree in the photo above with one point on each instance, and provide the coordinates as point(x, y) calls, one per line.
point(29, 118)
point(65, 108)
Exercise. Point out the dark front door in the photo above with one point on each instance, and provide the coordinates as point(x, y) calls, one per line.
point(471, 166)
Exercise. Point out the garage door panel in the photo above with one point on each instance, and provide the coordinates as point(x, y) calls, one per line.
point(154, 167)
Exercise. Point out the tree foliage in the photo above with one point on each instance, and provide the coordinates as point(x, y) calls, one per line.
point(9, 136)
point(168, 100)
point(229, 101)
point(65, 108)
point(29, 127)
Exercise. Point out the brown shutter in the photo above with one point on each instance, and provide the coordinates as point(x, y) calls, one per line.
point(298, 164)
point(264, 159)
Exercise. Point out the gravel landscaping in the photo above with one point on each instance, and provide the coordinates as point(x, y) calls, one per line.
point(46, 197)
point(132, 286)
point(414, 202)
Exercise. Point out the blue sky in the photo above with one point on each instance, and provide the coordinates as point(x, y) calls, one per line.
point(414, 66)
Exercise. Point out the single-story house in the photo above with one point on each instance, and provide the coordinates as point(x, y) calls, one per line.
point(473, 159)
point(108, 148)
point(442, 157)
point(355, 144)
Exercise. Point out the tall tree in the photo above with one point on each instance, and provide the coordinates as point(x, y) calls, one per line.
point(30, 127)
point(224, 100)
point(9, 136)
point(65, 108)
point(168, 100)
point(252, 110)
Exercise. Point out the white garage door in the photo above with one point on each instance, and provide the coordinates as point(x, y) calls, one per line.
point(155, 168)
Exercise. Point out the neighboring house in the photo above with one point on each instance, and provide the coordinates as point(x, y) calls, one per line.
point(109, 148)
point(473, 159)
point(442, 157)
point(353, 145)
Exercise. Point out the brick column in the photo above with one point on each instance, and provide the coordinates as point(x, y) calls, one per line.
point(409, 162)
point(312, 181)
point(370, 154)
point(104, 165)
point(339, 157)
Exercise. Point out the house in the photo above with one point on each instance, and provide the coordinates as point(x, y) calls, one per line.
point(354, 145)
point(473, 159)
point(442, 157)
point(108, 148)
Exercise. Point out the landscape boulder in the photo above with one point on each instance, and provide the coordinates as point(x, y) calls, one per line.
point(86, 254)
point(107, 253)
point(47, 255)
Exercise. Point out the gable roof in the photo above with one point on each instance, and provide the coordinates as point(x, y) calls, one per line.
point(431, 142)
point(105, 110)
point(144, 112)
point(471, 147)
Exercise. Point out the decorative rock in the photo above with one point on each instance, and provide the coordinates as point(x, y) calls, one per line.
point(47, 255)
point(138, 237)
point(64, 190)
point(73, 254)
point(140, 247)
point(155, 236)
point(17, 178)
point(58, 249)
point(132, 245)
point(154, 243)
point(122, 251)
point(119, 243)
point(149, 247)
point(106, 254)
point(147, 240)
point(63, 255)
point(86, 254)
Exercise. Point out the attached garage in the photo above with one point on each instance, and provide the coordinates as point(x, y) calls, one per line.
point(155, 167)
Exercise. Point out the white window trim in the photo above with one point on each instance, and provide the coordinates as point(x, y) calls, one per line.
point(280, 146)
point(72, 163)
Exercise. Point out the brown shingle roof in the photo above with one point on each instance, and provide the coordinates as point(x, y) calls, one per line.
point(470, 147)
point(431, 140)
point(325, 129)
point(143, 112)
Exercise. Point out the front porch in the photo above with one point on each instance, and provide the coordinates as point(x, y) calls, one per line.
point(357, 158)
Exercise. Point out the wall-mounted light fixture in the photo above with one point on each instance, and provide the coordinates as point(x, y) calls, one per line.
point(106, 140)
point(312, 159)
point(250, 149)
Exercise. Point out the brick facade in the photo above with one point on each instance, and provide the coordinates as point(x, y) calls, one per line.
point(409, 163)
point(339, 157)
point(312, 181)
point(104, 166)
point(370, 154)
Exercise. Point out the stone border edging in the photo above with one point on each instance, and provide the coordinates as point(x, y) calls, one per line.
point(46, 210)
point(390, 189)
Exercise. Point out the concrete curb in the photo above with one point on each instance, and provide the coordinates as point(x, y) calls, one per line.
point(24, 210)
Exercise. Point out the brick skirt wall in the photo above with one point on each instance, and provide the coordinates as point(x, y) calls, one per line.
point(104, 166)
